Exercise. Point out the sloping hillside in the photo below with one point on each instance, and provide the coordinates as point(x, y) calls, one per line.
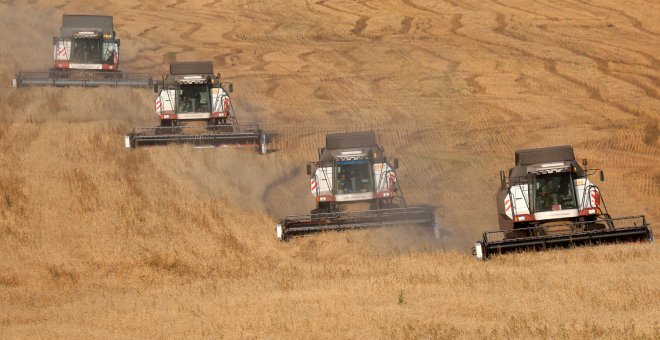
point(96, 240)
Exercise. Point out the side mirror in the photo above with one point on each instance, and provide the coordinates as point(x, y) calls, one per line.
point(502, 179)
point(396, 163)
point(230, 87)
point(309, 169)
point(584, 162)
point(602, 176)
point(156, 88)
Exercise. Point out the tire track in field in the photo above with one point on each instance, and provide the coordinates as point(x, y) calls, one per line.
point(473, 83)
point(410, 3)
point(145, 31)
point(214, 3)
point(654, 63)
point(62, 5)
point(406, 24)
point(634, 22)
point(359, 26)
point(603, 66)
point(550, 65)
point(459, 4)
point(194, 27)
point(501, 28)
point(456, 24)
point(184, 46)
point(526, 11)
point(175, 4)
point(603, 63)
point(651, 124)
point(623, 151)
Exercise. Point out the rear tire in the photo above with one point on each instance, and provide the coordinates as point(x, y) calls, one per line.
point(322, 208)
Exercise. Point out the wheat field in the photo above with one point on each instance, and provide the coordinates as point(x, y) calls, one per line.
point(97, 241)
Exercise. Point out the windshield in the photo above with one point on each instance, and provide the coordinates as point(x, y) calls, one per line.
point(194, 98)
point(554, 192)
point(353, 177)
point(86, 51)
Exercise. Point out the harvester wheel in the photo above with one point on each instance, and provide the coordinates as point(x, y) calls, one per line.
point(167, 127)
point(322, 208)
point(57, 74)
point(513, 234)
point(594, 226)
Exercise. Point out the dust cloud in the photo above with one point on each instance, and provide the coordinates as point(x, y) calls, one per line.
point(27, 36)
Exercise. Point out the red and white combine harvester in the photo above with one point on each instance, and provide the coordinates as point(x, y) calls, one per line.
point(549, 201)
point(355, 186)
point(86, 53)
point(194, 107)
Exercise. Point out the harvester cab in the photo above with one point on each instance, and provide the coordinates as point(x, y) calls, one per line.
point(86, 53)
point(354, 172)
point(86, 42)
point(548, 200)
point(190, 92)
point(355, 186)
point(194, 107)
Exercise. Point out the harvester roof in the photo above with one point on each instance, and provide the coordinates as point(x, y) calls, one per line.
point(351, 145)
point(190, 72)
point(191, 68)
point(545, 155)
point(74, 24)
point(350, 140)
point(544, 160)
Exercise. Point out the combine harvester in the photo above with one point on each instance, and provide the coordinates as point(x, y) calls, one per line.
point(194, 108)
point(355, 186)
point(85, 54)
point(548, 201)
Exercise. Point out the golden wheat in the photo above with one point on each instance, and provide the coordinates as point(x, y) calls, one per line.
point(98, 241)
